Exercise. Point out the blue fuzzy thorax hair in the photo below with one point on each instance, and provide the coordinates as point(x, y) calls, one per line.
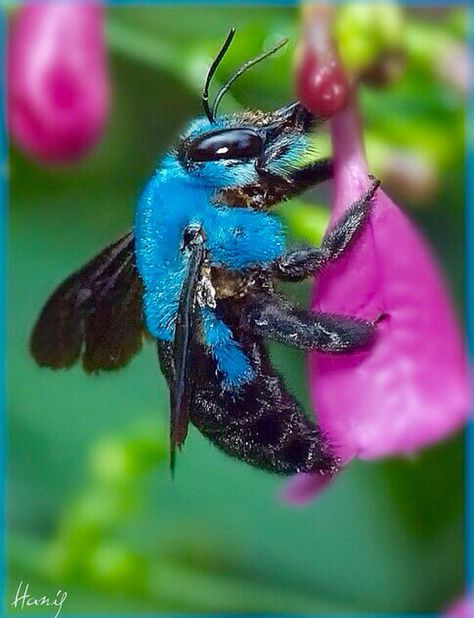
point(236, 238)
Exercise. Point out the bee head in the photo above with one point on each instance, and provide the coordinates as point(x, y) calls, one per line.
point(239, 149)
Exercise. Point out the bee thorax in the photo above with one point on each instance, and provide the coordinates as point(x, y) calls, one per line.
point(206, 293)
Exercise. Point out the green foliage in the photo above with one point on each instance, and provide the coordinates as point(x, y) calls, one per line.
point(364, 31)
point(92, 509)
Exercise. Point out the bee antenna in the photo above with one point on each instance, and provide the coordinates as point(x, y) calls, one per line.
point(243, 69)
point(210, 74)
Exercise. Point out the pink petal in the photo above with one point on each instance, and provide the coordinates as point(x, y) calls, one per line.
point(304, 487)
point(411, 388)
point(462, 608)
point(58, 93)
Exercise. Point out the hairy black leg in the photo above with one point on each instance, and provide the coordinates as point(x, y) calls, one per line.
point(310, 175)
point(301, 263)
point(276, 318)
point(279, 189)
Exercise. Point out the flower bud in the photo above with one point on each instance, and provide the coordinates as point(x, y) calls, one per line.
point(321, 82)
point(58, 91)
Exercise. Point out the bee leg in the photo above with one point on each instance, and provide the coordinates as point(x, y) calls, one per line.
point(310, 175)
point(301, 263)
point(280, 189)
point(276, 318)
point(272, 188)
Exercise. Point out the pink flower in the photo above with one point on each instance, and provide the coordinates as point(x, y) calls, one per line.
point(462, 608)
point(410, 389)
point(58, 92)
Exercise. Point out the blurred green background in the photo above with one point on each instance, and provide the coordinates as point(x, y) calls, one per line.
point(91, 506)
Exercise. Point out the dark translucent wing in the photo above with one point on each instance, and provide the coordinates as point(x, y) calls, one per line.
point(166, 357)
point(114, 328)
point(185, 335)
point(96, 311)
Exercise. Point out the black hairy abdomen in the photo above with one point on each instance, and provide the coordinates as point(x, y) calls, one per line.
point(261, 423)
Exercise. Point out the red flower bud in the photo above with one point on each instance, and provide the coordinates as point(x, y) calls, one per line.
point(321, 81)
point(322, 84)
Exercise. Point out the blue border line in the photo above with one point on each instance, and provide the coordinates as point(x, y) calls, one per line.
point(469, 292)
point(3, 291)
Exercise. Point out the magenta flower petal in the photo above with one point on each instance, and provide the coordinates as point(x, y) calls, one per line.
point(304, 487)
point(410, 388)
point(58, 92)
point(462, 608)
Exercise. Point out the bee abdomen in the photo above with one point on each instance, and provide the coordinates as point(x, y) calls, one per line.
point(283, 450)
point(263, 426)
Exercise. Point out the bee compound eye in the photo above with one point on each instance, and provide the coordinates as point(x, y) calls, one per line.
point(226, 144)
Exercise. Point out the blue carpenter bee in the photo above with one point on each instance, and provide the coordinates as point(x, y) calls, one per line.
point(199, 272)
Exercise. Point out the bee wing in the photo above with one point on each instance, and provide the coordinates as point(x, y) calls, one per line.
point(96, 312)
point(177, 358)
